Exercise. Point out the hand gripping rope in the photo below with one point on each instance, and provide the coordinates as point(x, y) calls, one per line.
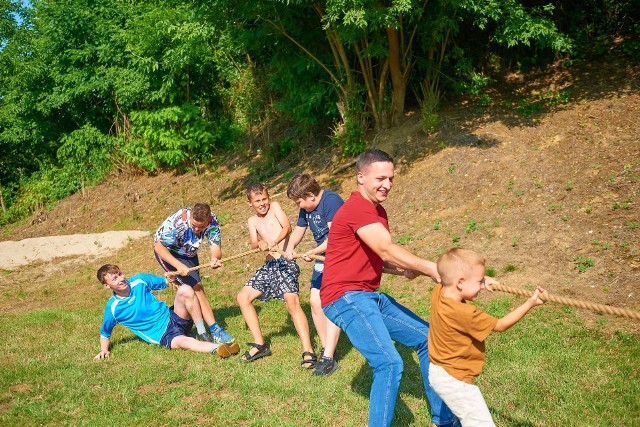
point(222, 261)
point(545, 296)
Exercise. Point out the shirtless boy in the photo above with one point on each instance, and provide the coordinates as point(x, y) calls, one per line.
point(276, 279)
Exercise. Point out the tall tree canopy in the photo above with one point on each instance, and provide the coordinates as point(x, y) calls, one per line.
point(87, 85)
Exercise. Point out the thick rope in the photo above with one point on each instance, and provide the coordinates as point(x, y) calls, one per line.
point(545, 296)
point(222, 261)
point(296, 256)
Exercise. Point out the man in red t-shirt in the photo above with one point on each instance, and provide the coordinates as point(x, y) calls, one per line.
point(359, 249)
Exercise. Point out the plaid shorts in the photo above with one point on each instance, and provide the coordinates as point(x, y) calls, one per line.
point(276, 278)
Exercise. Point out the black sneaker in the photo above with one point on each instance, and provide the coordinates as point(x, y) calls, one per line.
point(206, 337)
point(326, 366)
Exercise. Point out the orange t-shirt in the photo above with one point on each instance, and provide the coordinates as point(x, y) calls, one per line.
point(456, 336)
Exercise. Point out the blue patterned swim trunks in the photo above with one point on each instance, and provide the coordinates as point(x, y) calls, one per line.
point(276, 278)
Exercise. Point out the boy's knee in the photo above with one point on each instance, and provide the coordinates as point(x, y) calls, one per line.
point(185, 291)
point(243, 297)
point(293, 302)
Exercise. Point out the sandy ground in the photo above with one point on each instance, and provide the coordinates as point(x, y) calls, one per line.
point(15, 254)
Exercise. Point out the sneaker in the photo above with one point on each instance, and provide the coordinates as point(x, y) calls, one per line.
point(227, 350)
point(326, 366)
point(206, 337)
point(220, 335)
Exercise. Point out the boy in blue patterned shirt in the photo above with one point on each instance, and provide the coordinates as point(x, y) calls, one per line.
point(176, 246)
point(317, 208)
point(134, 306)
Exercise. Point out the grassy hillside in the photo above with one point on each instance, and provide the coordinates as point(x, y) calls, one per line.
point(543, 180)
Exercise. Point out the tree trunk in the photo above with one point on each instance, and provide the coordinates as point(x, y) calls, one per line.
point(398, 78)
point(4, 208)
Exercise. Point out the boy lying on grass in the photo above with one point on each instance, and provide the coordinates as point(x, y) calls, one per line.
point(134, 306)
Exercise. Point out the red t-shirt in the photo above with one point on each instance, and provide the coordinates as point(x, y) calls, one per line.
point(350, 265)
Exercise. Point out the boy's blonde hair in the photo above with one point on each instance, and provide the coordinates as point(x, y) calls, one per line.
point(455, 262)
point(301, 186)
point(107, 269)
point(256, 188)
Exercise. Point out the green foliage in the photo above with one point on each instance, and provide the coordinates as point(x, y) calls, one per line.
point(173, 82)
point(509, 268)
point(170, 137)
point(404, 239)
point(583, 263)
point(430, 121)
point(350, 138)
point(471, 226)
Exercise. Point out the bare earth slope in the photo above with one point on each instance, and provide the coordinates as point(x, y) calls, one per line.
point(539, 195)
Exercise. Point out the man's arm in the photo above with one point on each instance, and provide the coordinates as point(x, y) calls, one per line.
point(378, 238)
point(166, 255)
point(104, 348)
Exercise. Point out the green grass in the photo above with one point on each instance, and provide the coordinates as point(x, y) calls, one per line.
point(548, 370)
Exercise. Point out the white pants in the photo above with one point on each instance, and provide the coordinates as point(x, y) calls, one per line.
point(464, 400)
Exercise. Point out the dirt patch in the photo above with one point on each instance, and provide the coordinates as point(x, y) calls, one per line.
point(20, 253)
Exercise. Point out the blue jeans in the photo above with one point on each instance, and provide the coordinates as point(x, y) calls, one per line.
point(372, 320)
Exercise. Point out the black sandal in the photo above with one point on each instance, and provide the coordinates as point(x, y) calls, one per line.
point(309, 360)
point(263, 351)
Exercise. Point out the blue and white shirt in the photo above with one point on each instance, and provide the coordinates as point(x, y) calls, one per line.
point(318, 219)
point(177, 236)
point(141, 311)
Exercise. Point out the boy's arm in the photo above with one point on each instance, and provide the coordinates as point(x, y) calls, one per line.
point(104, 348)
point(284, 223)
point(322, 247)
point(514, 316)
point(253, 233)
point(216, 255)
point(165, 254)
point(294, 240)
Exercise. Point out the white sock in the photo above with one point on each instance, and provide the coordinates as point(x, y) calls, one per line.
point(200, 326)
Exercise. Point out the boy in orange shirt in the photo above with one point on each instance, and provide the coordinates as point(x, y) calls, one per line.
point(458, 331)
point(276, 279)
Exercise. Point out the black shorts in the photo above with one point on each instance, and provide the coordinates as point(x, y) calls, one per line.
point(176, 327)
point(192, 279)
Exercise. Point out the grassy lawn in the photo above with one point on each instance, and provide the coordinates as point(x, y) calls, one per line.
point(548, 370)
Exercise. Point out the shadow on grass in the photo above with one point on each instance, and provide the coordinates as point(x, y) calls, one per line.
point(126, 340)
point(411, 384)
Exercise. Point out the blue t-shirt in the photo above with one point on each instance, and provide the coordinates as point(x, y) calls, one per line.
point(317, 219)
point(141, 312)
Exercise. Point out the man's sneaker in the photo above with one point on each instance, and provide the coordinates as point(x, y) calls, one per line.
point(326, 366)
point(227, 350)
point(220, 335)
point(206, 337)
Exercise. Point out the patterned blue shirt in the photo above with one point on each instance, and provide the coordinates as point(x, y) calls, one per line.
point(317, 219)
point(177, 236)
point(141, 312)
